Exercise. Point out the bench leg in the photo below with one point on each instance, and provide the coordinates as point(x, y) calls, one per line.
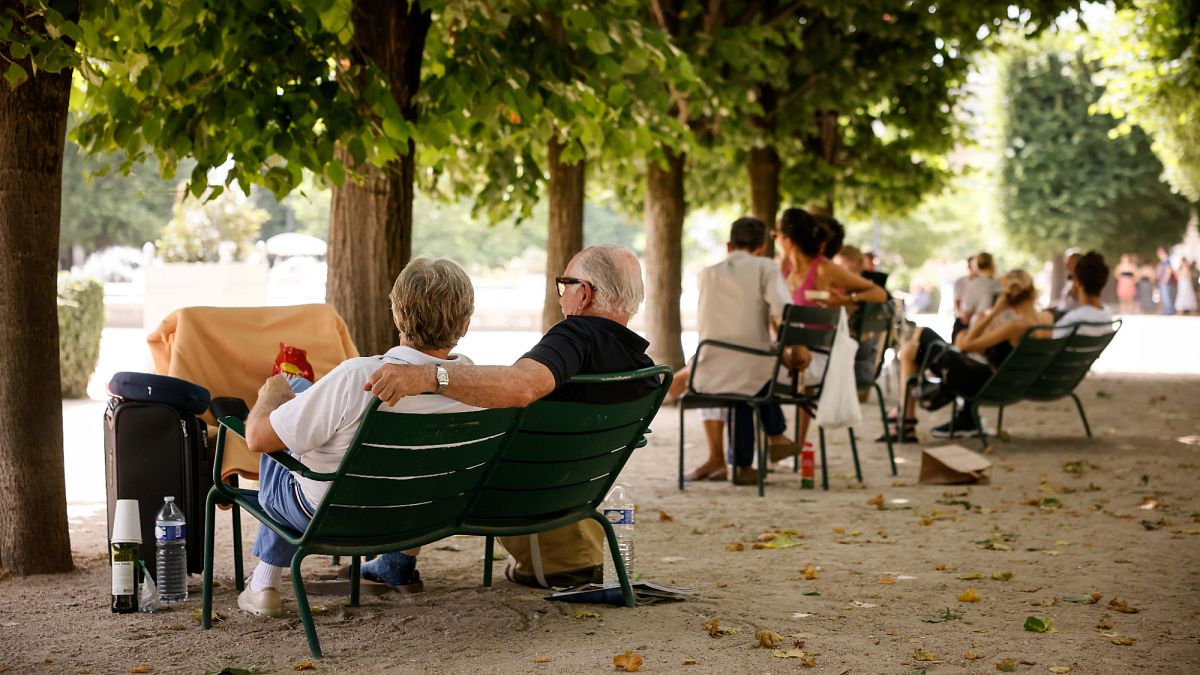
point(310, 630)
point(355, 579)
point(854, 453)
point(978, 423)
point(887, 436)
point(1086, 427)
point(760, 447)
point(1000, 420)
point(209, 523)
point(615, 552)
point(239, 574)
point(953, 414)
point(824, 462)
point(681, 411)
point(489, 547)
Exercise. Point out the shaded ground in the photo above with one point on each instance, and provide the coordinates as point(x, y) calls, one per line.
point(880, 573)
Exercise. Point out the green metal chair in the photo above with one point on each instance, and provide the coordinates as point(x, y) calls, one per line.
point(875, 324)
point(458, 478)
point(560, 464)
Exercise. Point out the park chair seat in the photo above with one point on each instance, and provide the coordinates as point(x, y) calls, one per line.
point(490, 473)
point(811, 327)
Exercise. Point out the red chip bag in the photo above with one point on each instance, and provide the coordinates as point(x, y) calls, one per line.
point(293, 361)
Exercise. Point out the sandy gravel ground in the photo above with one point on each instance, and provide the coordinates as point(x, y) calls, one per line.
point(1067, 517)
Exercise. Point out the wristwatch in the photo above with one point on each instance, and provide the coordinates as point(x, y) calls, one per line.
point(443, 378)
point(853, 296)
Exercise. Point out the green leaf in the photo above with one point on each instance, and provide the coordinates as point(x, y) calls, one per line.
point(598, 42)
point(1037, 625)
point(15, 75)
point(395, 129)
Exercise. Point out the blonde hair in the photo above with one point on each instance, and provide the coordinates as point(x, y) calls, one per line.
point(432, 303)
point(1017, 287)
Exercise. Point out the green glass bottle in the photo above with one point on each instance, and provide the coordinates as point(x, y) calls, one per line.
point(124, 577)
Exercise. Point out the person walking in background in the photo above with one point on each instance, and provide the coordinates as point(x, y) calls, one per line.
point(1145, 287)
point(1185, 300)
point(1166, 282)
point(1127, 286)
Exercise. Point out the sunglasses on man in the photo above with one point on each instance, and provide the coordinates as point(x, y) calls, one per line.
point(563, 282)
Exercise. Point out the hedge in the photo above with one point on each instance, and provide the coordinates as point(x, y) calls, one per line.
point(80, 322)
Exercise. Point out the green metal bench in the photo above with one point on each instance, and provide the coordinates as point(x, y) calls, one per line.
point(1038, 369)
point(490, 473)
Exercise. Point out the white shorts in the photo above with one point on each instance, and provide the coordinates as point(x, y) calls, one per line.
point(714, 414)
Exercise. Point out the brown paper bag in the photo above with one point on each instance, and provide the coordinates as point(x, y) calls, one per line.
point(952, 464)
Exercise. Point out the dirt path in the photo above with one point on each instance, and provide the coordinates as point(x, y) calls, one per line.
point(1063, 515)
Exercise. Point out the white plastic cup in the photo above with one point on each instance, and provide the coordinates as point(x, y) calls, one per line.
point(816, 295)
point(127, 523)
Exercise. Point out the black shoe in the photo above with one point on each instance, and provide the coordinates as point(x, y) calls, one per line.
point(964, 425)
point(933, 395)
point(907, 432)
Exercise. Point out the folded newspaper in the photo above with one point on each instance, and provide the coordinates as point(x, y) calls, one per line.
point(645, 592)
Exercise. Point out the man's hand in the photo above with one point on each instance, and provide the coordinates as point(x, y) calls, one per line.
point(393, 382)
point(276, 388)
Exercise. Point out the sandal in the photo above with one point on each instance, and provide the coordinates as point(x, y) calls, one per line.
point(907, 432)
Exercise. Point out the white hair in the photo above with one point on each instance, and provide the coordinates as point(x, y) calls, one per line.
point(616, 275)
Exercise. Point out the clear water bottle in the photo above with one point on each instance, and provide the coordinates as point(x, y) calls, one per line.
point(618, 510)
point(170, 529)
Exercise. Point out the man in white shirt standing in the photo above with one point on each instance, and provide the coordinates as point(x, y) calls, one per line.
point(981, 291)
point(741, 298)
point(432, 302)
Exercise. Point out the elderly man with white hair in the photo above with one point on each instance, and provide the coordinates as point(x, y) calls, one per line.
point(599, 292)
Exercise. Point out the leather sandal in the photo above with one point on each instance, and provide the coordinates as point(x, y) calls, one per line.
point(907, 432)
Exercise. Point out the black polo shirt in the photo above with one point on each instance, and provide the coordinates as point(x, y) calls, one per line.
point(591, 344)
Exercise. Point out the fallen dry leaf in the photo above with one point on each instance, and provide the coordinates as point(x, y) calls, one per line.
point(628, 662)
point(304, 665)
point(664, 516)
point(876, 501)
point(971, 656)
point(941, 567)
point(926, 522)
point(1123, 641)
point(798, 643)
point(1104, 623)
point(141, 668)
point(887, 580)
point(768, 639)
point(587, 614)
point(197, 613)
point(922, 655)
point(839, 530)
point(969, 595)
point(735, 546)
point(1006, 665)
point(688, 662)
point(1002, 576)
point(713, 626)
point(1122, 606)
point(1060, 669)
point(970, 576)
point(542, 659)
point(788, 653)
point(809, 572)
point(809, 661)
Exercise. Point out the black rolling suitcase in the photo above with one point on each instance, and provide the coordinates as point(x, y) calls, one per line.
point(155, 446)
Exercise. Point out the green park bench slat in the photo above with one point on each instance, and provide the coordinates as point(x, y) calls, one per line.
point(553, 473)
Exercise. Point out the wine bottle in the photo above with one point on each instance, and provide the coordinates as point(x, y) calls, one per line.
point(124, 577)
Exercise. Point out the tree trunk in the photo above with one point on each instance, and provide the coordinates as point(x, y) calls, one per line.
point(664, 212)
point(564, 237)
point(370, 223)
point(33, 499)
point(764, 188)
point(1058, 275)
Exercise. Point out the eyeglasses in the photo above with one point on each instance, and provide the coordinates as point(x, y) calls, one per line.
point(563, 282)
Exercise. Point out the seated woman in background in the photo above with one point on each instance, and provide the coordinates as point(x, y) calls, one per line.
point(815, 281)
point(993, 336)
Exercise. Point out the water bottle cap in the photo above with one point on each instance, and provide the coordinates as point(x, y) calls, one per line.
point(168, 499)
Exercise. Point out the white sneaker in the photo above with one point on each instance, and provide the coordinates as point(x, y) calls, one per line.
point(261, 603)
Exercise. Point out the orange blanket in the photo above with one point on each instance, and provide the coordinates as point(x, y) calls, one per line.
point(231, 351)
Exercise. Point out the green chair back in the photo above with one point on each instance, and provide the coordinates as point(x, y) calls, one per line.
point(873, 324)
point(408, 475)
point(1073, 363)
point(564, 457)
point(811, 327)
point(1021, 369)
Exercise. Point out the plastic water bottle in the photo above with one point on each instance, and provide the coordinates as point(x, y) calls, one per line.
point(618, 510)
point(171, 553)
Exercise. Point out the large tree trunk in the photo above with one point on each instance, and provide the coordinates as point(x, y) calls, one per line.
point(33, 498)
point(764, 187)
point(664, 212)
point(370, 223)
point(564, 237)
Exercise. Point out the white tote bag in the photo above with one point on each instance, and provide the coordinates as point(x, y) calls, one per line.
point(838, 406)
